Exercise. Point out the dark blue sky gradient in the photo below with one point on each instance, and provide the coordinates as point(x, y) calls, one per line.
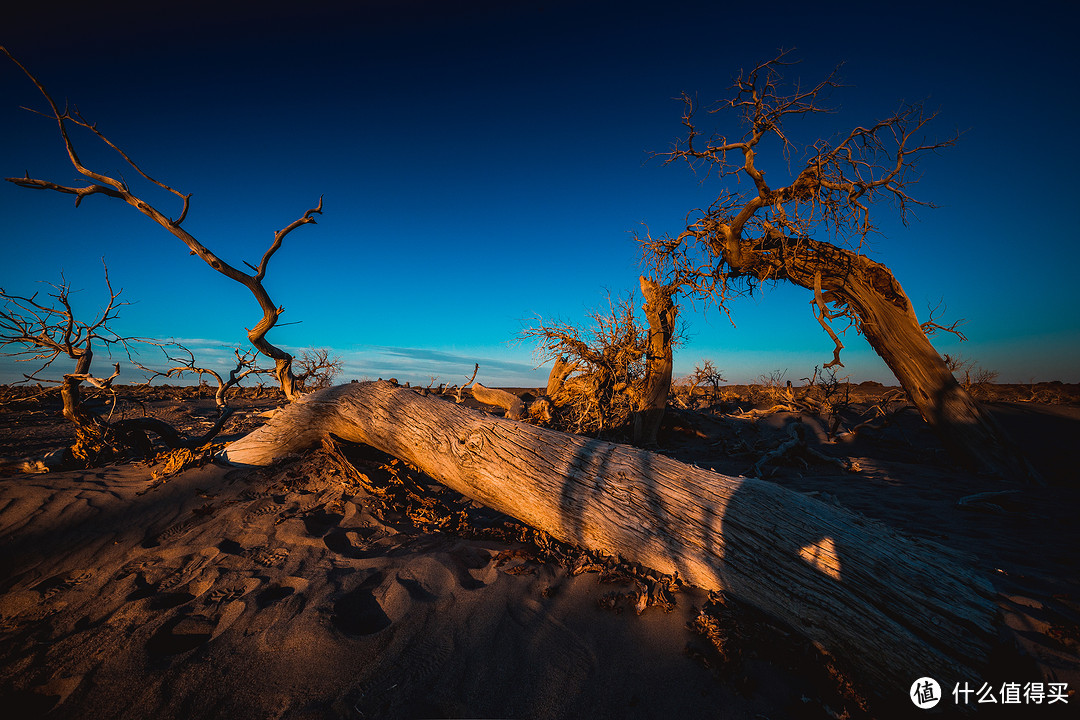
point(485, 163)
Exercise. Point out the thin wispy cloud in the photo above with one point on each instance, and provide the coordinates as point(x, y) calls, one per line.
point(419, 365)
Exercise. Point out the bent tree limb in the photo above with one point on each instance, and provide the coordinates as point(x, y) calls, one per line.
point(889, 608)
point(869, 291)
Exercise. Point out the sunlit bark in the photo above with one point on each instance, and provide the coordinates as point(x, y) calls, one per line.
point(660, 312)
point(888, 608)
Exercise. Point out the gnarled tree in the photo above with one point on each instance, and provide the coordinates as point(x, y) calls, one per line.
point(762, 231)
point(116, 187)
point(33, 330)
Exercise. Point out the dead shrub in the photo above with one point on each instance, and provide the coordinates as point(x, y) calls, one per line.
point(606, 386)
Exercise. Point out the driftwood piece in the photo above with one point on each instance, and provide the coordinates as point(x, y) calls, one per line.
point(512, 404)
point(888, 608)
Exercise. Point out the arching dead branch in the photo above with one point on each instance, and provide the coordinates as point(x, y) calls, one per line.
point(762, 231)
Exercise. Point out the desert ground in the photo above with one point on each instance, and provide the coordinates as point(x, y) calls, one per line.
point(318, 588)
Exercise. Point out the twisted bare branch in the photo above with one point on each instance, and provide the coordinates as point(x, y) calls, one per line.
point(835, 189)
point(246, 365)
point(931, 325)
point(115, 187)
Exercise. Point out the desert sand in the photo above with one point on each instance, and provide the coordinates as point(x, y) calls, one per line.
point(309, 590)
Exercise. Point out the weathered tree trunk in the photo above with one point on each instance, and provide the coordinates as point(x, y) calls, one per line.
point(888, 321)
point(889, 608)
point(660, 311)
point(557, 377)
point(70, 392)
point(92, 434)
point(257, 335)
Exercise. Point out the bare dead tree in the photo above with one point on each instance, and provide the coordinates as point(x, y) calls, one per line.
point(246, 366)
point(117, 187)
point(317, 369)
point(706, 374)
point(43, 331)
point(827, 395)
point(756, 232)
point(660, 312)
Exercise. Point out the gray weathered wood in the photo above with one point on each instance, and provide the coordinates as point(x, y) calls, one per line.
point(512, 404)
point(888, 607)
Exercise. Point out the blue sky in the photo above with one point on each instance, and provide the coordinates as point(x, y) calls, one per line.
point(487, 163)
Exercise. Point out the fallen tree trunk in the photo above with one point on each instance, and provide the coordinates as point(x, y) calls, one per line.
point(889, 608)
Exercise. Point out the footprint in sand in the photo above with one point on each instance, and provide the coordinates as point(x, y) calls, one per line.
point(181, 635)
point(395, 684)
point(57, 584)
point(321, 520)
point(359, 543)
point(259, 509)
point(169, 534)
point(193, 567)
point(269, 558)
point(472, 566)
point(225, 594)
point(358, 612)
point(221, 608)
